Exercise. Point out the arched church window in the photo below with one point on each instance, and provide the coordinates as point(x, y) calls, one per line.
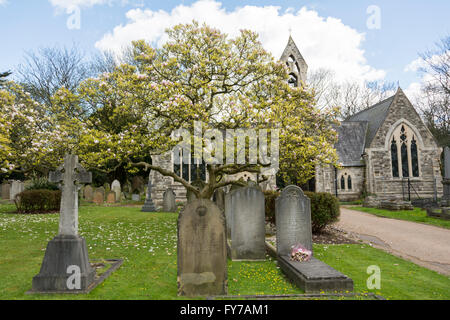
point(404, 153)
point(349, 183)
point(292, 80)
point(342, 183)
point(394, 158)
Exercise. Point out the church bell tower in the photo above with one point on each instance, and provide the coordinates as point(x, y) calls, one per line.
point(298, 69)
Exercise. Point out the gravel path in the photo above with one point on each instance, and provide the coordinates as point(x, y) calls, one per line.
point(422, 244)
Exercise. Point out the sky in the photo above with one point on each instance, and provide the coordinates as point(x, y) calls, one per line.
point(356, 39)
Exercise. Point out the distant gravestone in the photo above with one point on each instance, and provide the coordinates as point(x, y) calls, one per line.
point(202, 256)
point(99, 195)
point(137, 185)
point(6, 188)
point(16, 188)
point(136, 197)
point(445, 202)
point(107, 187)
point(293, 219)
point(149, 206)
point(88, 193)
point(111, 197)
point(169, 201)
point(248, 228)
point(115, 186)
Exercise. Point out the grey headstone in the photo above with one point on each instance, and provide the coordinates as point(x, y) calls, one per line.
point(228, 214)
point(169, 201)
point(149, 206)
point(135, 197)
point(248, 224)
point(115, 186)
point(99, 195)
point(88, 193)
point(6, 189)
point(202, 255)
point(293, 220)
point(16, 188)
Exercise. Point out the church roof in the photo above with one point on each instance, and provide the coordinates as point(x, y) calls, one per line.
point(351, 142)
point(374, 116)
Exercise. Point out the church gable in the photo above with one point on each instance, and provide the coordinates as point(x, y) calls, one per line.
point(298, 69)
point(401, 111)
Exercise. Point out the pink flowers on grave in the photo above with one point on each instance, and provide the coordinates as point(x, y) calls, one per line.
point(300, 253)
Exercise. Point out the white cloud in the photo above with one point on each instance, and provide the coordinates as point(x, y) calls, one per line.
point(3, 2)
point(324, 42)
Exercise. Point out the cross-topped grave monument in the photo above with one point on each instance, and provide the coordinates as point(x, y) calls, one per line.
point(66, 266)
point(149, 206)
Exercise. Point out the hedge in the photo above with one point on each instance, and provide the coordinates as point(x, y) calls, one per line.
point(38, 201)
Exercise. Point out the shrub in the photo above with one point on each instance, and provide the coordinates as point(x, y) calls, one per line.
point(270, 197)
point(33, 201)
point(42, 184)
point(324, 210)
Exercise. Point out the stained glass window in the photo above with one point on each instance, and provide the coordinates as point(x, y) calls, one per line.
point(414, 158)
point(349, 183)
point(405, 167)
point(394, 158)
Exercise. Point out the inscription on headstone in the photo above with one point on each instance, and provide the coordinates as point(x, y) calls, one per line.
point(202, 256)
point(293, 219)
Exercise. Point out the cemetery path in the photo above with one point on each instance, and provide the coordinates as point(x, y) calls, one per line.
point(425, 245)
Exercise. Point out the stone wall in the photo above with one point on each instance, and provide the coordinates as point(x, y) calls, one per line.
point(325, 182)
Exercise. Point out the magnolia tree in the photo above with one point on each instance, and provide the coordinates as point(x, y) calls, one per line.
point(200, 76)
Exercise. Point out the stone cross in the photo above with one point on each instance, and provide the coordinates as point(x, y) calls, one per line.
point(70, 175)
point(149, 206)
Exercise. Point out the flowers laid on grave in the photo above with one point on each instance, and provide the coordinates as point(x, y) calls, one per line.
point(300, 253)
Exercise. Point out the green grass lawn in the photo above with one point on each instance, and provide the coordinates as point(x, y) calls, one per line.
point(416, 215)
point(147, 244)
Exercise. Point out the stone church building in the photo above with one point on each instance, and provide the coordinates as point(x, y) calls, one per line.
point(379, 150)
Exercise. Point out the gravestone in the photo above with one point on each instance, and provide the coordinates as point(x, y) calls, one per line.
point(248, 228)
point(135, 197)
point(219, 199)
point(6, 189)
point(445, 202)
point(67, 253)
point(202, 256)
point(115, 186)
point(149, 206)
point(169, 201)
point(107, 188)
point(16, 188)
point(293, 219)
point(228, 214)
point(111, 197)
point(88, 193)
point(99, 195)
point(137, 185)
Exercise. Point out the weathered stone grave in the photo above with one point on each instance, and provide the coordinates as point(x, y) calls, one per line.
point(111, 197)
point(115, 186)
point(16, 188)
point(202, 255)
point(169, 201)
point(67, 253)
point(149, 206)
point(6, 187)
point(99, 195)
point(293, 220)
point(88, 193)
point(247, 208)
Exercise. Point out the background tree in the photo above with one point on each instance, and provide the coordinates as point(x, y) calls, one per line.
point(47, 70)
point(199, 75)
point(434, 100)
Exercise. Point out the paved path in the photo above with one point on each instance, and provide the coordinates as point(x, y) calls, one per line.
point(422, 244)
